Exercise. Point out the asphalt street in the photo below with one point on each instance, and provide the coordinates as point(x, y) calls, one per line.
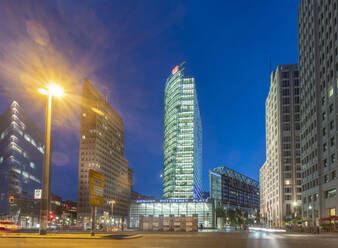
point(176, 240)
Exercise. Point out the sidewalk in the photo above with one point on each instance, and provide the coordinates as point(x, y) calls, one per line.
point(69, 236)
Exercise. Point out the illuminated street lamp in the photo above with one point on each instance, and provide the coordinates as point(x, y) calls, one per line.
point(56, 91)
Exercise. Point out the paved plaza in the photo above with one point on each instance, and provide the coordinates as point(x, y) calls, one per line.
point(176, 240)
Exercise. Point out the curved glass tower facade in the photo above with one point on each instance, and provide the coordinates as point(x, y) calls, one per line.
point(182, 175)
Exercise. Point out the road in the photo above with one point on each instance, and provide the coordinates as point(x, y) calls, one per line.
point(194, 240)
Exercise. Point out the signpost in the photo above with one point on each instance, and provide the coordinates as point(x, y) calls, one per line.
point(96, 189)
point(37, 194)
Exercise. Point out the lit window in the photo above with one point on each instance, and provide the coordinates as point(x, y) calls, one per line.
point(330, 91)
point(83, 137)
point(32, 165)
point(332, 211)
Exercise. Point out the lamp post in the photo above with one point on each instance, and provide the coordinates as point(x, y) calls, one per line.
point(52, 90)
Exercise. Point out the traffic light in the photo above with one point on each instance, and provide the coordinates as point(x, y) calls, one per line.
point(51, 216)
point(11, 199)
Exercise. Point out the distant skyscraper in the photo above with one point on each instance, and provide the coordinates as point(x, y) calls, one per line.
point(280, 176)
point(21, 159)
point(182, 138)
point(102, 149)
point(318, 61)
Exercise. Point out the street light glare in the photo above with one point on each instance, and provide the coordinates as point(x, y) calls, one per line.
point(55, 90)
point(43, 91)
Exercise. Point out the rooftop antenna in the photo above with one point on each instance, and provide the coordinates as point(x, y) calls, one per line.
point(107, 93)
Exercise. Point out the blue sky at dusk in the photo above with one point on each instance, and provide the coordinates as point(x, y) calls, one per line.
point(129, 48)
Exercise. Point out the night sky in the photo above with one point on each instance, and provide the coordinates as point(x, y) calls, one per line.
point(127, 49)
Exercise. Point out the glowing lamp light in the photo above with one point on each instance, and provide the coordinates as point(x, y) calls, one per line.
point(53, 89)
point(43, 91)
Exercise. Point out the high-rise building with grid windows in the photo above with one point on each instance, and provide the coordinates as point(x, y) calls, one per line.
point(280, 176)
point(318, 61)
point(182, 138)
point(102, 150)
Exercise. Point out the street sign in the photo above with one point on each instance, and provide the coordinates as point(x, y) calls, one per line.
point(96, 186)
point(37, 194)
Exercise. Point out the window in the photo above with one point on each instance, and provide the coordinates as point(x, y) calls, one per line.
point(331, 124)
point(323, 116)
point(286, 100)
point(332, 211)
point(331, 108)
point(296, 91)
point(330, 193)
point(297, 100)
point(324, 147)
point(285, 83)
point(296, 82)
point(32, 165)
point(332, 141)
point(287, 197)
point(333, 158)
point(285, 92)
point(326, 178)
point(333, 175)
point(330, 91)
point(287, 190)
point(324, 131)
point(325, 163)
point(285, 74)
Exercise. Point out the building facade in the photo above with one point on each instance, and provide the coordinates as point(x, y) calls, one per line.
point(318, 61)
point(182, 138)
point(102, 150)
point(280, 176)
point(234, 190)
point(203, 209)
point(21, 160)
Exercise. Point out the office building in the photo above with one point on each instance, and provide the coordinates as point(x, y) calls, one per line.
point(233, 190)
point(130, 179)
point(182, 138)
point(280, 176)
point(102, 150)
point(21, 160)
point(318, 62)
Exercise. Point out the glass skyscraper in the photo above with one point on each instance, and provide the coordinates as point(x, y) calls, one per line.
point(182, 175)
point(21, 159)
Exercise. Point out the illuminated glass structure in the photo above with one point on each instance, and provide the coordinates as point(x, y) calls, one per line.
point(21, 159)
point(204, 209)
point(182, 138)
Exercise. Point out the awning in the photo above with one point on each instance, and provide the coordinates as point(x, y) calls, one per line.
point(330, 218)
